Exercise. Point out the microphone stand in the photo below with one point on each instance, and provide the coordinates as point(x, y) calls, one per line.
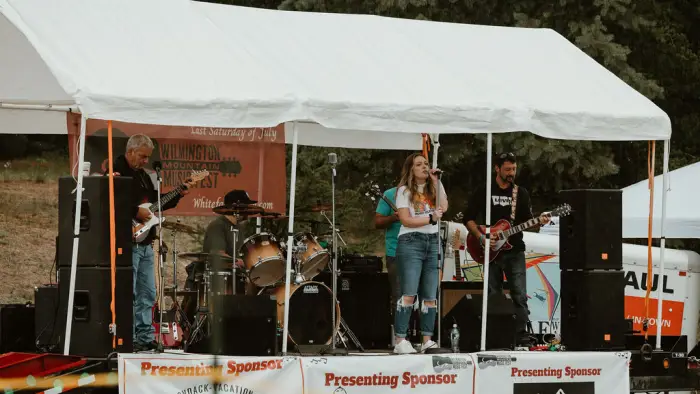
point(334, 350)
point(440, 262)
point(161, 257)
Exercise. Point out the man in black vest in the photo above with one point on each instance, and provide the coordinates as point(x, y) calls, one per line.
point(504, 193)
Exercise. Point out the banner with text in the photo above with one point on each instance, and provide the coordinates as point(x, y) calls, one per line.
point(192, 373)
point(552, 372)
point(249, 159)
point(381, 374)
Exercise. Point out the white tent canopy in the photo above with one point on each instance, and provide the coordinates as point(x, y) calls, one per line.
point(183, 63)
point(681, 220)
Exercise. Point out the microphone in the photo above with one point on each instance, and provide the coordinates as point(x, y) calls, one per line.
point(157, 165)
point(332, 158)
point(438, 172)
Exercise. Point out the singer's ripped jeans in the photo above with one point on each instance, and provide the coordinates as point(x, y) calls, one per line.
point(417, 264)
point(144, 293)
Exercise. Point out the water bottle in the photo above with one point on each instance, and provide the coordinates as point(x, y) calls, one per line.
point(454, 338)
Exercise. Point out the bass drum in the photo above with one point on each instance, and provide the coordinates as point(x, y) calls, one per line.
point(310, 316)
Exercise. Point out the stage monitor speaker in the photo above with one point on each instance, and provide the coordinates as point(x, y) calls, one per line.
point(244, 325)
point(364, 299)
point(94, 248)
point(591, 236)
point(467, 314)
point(46, 301)
point(17, 328)
point(593, 310)
point(92, 316)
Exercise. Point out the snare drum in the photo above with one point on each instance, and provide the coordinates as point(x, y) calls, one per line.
point(314, 259)
point(310, 314)
point(262, 257)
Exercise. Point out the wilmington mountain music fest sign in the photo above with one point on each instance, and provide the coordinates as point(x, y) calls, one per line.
point(248, 159)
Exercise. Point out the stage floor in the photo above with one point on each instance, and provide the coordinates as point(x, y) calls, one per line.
point(378, 372)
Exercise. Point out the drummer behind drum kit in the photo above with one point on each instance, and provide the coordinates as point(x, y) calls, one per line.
point(262, 263)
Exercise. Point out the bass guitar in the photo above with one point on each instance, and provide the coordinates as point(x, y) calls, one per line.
point(140, 230)
point(503, 230)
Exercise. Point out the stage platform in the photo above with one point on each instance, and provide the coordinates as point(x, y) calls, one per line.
point(378, 372)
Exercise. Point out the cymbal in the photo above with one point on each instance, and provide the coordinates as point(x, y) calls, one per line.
point(320, 208)
point(180, 227)
point(330, 233)
point(200, 256)
point(269, 215)
point(238, 210)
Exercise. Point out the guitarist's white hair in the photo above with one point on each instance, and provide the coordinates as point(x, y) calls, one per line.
point(137, 141)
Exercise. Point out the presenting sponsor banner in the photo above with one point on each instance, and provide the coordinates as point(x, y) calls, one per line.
point(249, 159)
point(191, 374)
point(396, 374)
point(552, 372)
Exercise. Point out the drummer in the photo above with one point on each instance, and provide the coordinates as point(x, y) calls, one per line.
point(218, 239)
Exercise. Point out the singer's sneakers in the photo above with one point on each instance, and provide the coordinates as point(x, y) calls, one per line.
point(428, 345)
point(404, 347)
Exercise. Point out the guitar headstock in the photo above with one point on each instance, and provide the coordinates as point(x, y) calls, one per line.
point(374, 192)
point(456, 240)
point(562, 210)
point(199, 175)
point(459, 217)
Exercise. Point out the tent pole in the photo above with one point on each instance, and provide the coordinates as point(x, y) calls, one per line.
point(290, 238)
point(441, 253)
point(662, 267)
point(76, 235)
point(487, 248)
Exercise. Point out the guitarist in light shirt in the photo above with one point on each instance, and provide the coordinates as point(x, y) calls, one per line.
point(509, 262)
point(139, 149)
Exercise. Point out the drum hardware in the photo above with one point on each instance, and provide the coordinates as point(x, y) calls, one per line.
point(313, 258)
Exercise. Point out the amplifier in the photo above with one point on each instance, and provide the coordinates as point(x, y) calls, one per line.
point(46, 332)
point(360, 263)
point(17, 328)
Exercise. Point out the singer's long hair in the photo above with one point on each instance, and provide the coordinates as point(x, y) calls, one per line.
point(408, 180)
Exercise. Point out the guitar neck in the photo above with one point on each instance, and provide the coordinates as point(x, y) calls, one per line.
point(391, 204)
point(521, 227)
point(458, 267)
point(168, 197)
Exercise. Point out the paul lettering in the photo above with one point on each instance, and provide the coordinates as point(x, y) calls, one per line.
point(641, 283)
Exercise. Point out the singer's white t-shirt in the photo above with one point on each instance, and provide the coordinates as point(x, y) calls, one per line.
point(421, 208)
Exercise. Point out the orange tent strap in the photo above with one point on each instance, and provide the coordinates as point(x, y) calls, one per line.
point(112, 240)
point(651, 156)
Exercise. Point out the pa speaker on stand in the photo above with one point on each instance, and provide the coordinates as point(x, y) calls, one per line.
point(94, 245)
point(592, 281)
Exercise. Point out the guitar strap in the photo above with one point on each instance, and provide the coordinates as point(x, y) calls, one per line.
point(514, 203)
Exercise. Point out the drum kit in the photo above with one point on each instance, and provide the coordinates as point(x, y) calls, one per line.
point(258, 269)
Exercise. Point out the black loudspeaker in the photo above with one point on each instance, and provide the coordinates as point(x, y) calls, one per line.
point(46, 301)
point(591, 236)
point(94, 248)
point(364, 305)
point(243, 326)
point(467, 314)
point(593, 310)
point(17, 328)
point(92, 315)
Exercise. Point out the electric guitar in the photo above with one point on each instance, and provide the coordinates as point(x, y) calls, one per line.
point(502, 230)
point(456, 247)
point(140, 230)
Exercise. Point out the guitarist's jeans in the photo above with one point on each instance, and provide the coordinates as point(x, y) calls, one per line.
point(417, 263)
point(144, 293)
point(512, 264)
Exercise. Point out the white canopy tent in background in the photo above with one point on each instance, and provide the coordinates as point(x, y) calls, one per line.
point(175, 62)
point(682, 221)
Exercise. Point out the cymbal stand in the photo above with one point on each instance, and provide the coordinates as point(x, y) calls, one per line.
point(202, 311)
point(234, 253)
point(178, 309)
point(335, 231)
point(345, 330)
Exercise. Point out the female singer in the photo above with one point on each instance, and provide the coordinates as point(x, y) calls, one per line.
point(416, 252)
